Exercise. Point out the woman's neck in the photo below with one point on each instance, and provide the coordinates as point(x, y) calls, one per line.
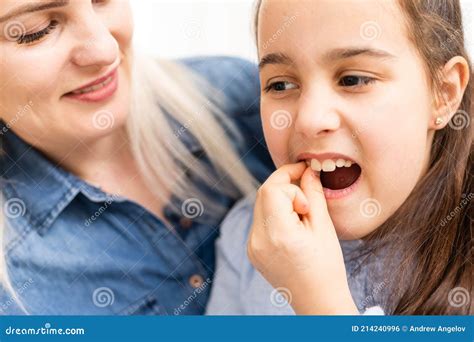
point(91, 159)
point(109, 164)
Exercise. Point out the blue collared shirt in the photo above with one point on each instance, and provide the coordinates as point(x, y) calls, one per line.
point(74, 249)
point(239, 289)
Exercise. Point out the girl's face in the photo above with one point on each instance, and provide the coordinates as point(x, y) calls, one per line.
point(51, 52)
point(342, 84)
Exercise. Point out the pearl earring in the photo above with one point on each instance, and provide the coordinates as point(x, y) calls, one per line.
point(439, 121)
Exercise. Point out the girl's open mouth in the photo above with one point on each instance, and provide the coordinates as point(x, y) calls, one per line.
point(338, 177)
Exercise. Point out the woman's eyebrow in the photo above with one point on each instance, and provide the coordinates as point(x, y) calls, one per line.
point(330, 56)
point(34, 7)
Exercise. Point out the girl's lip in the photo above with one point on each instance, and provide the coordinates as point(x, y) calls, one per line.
point(99, 94)
point(338, 194)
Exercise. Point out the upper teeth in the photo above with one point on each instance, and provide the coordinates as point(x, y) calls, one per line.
point(94, 87)
point(329, 165)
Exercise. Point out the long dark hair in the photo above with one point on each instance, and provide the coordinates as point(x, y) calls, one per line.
point(428, 242)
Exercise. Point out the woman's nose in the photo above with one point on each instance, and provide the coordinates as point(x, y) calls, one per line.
point(317, 113)
point(96, 46)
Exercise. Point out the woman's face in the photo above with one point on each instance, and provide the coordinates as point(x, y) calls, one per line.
point(51, 52)
point(341, 80)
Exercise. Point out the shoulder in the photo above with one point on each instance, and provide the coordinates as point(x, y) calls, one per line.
point(234, 78)
point(235, 229)
point(233, 85)
point(220, 68)
point(256, 295)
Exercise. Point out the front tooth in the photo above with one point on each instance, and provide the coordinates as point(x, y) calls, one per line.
point(329, 165)
point(315, 165)
point(340, 162)
point(348, 163)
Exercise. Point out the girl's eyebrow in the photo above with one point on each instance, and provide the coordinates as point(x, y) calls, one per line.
point(343, 53)
point(28, 8)
point(274, 58)
point(330, 56)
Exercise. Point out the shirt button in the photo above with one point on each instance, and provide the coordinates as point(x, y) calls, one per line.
point(185, 222)
point(196, 281)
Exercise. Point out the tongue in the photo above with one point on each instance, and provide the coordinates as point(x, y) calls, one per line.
point(341, 178)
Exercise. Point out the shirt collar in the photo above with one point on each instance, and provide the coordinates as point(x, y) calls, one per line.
point(45, 188)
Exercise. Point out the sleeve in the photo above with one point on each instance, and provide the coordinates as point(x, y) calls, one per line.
point(225, 298)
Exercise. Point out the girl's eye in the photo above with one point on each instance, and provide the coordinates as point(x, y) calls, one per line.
point(280, 86)
point(32, 37)
point(355, 81)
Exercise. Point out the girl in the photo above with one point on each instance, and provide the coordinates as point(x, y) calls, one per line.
point(117, 169)
point(366, 112)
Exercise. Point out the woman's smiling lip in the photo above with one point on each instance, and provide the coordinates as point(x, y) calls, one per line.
point(109, 85)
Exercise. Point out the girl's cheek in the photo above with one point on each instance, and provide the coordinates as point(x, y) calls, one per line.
point(395, 159)
point(277, 126)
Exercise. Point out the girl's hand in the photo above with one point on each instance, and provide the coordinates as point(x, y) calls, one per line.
point(294, 245)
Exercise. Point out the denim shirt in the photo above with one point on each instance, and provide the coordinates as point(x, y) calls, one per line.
point(239, 289)
point(73, 249)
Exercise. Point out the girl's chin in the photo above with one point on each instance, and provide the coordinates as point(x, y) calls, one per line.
point(345, 231)
point(353, 230)
point(347, 234)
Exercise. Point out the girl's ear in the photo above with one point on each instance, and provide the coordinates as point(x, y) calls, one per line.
point(455, 77)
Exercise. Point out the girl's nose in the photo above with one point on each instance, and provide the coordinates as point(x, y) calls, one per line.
point(96, 46)
point(317, 113)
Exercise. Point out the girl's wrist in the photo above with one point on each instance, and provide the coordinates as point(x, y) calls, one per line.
point(335, 302)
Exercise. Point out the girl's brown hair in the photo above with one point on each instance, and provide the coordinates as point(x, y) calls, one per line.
point(428, 242)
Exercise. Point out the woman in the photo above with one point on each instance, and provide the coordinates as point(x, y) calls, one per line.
point(116, 170)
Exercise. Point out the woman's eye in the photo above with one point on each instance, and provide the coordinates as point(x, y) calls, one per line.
point(280, 86)
point(355, 81)
point(32, 37)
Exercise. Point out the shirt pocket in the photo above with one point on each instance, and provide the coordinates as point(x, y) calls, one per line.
point(147, 306)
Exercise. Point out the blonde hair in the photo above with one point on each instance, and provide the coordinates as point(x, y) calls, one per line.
point(163, 158)
point(165, 91)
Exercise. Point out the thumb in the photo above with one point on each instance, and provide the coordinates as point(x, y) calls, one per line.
point(312, 188)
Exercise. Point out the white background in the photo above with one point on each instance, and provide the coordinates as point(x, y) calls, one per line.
point(181, 28)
